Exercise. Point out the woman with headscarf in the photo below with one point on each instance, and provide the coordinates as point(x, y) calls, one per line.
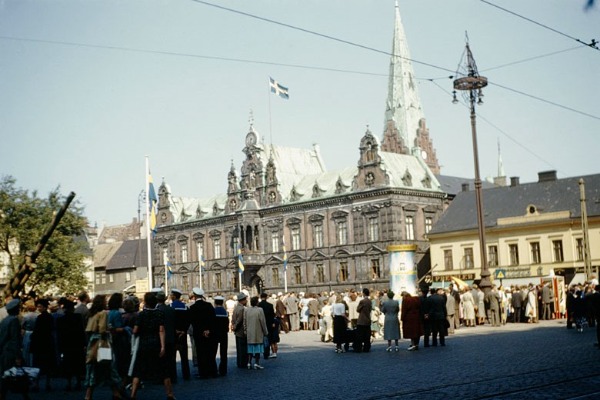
point(391, 325)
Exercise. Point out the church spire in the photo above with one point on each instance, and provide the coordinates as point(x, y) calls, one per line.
point(404, 125)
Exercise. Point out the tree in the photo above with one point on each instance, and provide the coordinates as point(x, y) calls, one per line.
point(24, 217)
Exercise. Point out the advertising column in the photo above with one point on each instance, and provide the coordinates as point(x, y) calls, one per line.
point(403, 270)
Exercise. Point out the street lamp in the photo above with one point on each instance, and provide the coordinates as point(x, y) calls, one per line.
point(471, 84)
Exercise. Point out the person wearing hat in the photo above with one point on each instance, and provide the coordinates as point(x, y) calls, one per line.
point(71, 342)
point(10, 341)
point(220, 333)
point(237, 326)
point(202, 317)
point(42, 342)
point(182, 324)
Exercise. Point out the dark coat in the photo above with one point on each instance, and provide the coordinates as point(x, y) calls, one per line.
point(437, 307)
point(169, 319)
point(411, 318)
point(202, 317)
point(269, 313)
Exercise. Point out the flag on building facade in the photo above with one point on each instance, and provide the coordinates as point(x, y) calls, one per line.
point(152, 204)
point(285, 258)
point(240, 259)
point(278, 89)
point(169, 270)
point(202, 263)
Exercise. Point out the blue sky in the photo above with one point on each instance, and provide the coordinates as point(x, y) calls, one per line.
point(89, 88)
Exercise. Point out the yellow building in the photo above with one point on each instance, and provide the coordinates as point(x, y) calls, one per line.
point(532, 230)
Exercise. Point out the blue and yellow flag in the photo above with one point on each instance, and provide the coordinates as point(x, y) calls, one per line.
point(202, 263)
point(240, 259)
point(152, 204)
point(284, 256)
point(169, 270)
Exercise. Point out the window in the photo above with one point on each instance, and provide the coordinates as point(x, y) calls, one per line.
point(493, 256)
point(275, 276)
point(557, 249)
point(217, 248)
point(579, 249)
point(103, 278)
point(410, 228)
point(343, 271)
point(320, 273)
point(318, 235)
point(98, 277)
point(342, 232)
point(296, 238)
point(127, 276)
point(185, 283)
point(513, 250)
point(448, 260)
point(218, 281)
point(235, 282)
point(375, 269)
point(373, 229)
point(275, 242)
point(535, 253)
point(469, 258)
point(428, 224)
point(111, 278)
point(184, 253)
point(298, 274)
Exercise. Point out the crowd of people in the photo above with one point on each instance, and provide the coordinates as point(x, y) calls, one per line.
point(123, 341)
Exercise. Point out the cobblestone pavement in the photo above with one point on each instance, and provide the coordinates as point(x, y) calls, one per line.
point(516, 361)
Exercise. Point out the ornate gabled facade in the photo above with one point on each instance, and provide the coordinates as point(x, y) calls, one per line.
point(335, 226)
point(405, 131)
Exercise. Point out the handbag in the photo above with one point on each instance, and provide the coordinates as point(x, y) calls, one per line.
point(104, 352)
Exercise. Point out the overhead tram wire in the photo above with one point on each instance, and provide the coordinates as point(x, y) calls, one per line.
point(533, 58)
point(593, 43)
point(178, 54)
point(387, 53)
point(170, 53)
point(512, 139)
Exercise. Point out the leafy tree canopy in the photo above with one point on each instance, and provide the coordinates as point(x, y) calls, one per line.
point(24, 217)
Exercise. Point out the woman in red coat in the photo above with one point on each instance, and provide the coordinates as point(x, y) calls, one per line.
point(411, 320)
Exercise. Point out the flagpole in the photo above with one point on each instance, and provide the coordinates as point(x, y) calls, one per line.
point(284, 266)
point(167, 266)
point(270, 127)
point(148, 237)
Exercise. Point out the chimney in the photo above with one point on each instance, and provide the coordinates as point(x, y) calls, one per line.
point(514, 181)
point(547, 176)
point(465, 187)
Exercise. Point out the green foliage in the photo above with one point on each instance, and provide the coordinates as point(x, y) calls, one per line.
point(24, 217)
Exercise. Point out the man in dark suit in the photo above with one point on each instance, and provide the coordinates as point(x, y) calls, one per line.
point(269, 319)
point(437, 317)
point(202, 317)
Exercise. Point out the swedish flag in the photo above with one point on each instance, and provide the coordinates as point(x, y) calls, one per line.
point(152, 204)
point(240, 259)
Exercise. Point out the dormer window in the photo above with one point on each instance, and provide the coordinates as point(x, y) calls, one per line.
point(407, 179)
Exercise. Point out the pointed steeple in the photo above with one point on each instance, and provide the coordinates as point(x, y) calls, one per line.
point(500, 179)
point(404, 125)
